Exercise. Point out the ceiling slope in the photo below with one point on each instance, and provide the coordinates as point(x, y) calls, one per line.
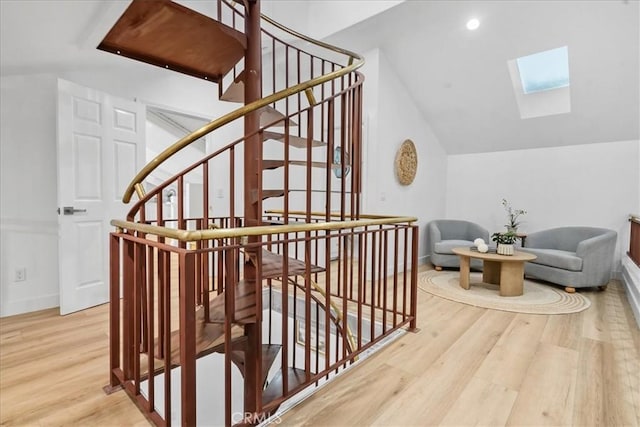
point(460, 79)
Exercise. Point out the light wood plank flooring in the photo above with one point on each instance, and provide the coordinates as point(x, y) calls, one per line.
point(466, 366)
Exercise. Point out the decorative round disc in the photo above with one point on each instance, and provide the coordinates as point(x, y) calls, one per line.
point(406, 162)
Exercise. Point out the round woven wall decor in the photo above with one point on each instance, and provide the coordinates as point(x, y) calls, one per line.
point(406, 162)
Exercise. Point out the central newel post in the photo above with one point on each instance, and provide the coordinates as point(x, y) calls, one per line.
point(253, 202)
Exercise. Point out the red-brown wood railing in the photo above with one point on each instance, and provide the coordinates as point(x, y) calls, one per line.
point(634, 240)
point(330, 282)
point(157, 327)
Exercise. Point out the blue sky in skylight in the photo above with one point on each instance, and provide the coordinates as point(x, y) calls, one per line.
point(544, 70)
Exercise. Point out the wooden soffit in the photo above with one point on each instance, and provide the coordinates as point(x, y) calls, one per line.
point(169, 35)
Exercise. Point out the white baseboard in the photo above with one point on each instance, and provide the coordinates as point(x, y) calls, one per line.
point(11, 308)
point(631, 283)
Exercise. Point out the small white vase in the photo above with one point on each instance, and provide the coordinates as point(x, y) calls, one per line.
point(504, 249)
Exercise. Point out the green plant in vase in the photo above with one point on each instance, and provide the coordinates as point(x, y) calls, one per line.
point(505, 242)
point(512, 216)
point(508, 238)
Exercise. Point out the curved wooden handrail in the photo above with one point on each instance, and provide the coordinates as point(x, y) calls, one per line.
point(243, 111)
point(311, 40)
point(323, 214)
point(146, 197)
point(262, 230)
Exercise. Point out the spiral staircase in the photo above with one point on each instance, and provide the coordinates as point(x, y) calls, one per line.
point(284, 278)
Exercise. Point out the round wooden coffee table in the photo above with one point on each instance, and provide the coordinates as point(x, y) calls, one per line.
point(506, 271)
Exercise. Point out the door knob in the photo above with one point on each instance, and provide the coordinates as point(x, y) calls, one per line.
point(69, 210)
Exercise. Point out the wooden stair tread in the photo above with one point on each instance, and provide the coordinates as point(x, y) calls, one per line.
point(235, 91)
point(274, 164)
point(269, 354)
point(266, 194)
point(272, 266)
point(209, 338)
point(296, 141)
point(279, 192)
point(295, 377)
point(245, 305)
point(169, 35)
point(268, 115)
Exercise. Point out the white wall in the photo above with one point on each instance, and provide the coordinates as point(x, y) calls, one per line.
point(588, 184)
point(28, 218)
point(165, 89)
point(328, 17)
point(291, 13)
point(591, 185)
point(392, 118)
point(321, 18)
point(159, 139)
point(28, 154)
point(153, 85)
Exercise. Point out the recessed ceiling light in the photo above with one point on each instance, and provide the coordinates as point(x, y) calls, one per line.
point(473, 24)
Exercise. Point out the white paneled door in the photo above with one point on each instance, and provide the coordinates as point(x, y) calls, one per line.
point(100, 149)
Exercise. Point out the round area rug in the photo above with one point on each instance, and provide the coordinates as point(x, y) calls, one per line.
point(536, 299)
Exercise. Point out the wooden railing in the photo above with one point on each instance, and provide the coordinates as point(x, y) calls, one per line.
point(330, 282)
point(634, 240)
point(297, 174)
point(169, 315)
point(293, 72)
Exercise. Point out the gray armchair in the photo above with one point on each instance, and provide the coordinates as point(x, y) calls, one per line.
point(574, 257)
point(445, 234)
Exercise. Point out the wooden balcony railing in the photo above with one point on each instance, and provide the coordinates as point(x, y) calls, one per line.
point(338, 289)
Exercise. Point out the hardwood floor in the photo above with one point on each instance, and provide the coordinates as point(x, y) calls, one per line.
point(466, 366)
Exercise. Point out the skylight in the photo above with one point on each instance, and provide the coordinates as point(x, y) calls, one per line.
point(544, 70)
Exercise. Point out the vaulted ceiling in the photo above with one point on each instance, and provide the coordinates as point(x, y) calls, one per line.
point(459, 78)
